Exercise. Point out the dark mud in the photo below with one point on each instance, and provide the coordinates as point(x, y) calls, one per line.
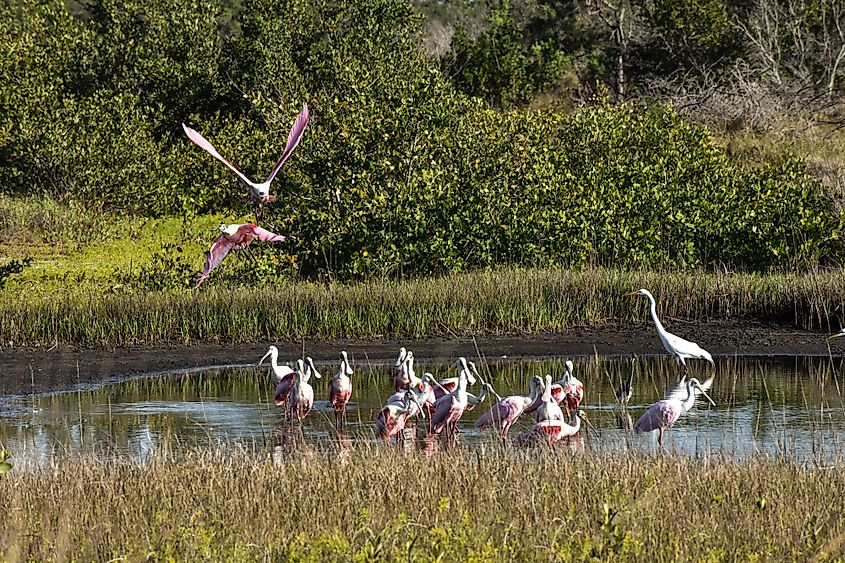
point(25, 370)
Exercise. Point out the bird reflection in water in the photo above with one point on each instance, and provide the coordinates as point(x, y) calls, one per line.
point(289, 442)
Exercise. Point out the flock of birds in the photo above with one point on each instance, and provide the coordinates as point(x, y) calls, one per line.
point(444, 402)
point(553, 405)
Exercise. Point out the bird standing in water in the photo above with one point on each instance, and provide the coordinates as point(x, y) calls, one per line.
point(340, 390)
point(665, 412)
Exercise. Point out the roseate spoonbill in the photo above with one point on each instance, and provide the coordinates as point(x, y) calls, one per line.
point(404, 372)
point(554, 430)
point(233, 236)
point(391, 419)
point(450, 407)
point(281, 375)
point(665, 412)
point(301, 395)
point(548, 409)
point(569, 390)
point(260, 191)
point(625, 389)
point(504, 413)
point(340, 389)
point(675, 345)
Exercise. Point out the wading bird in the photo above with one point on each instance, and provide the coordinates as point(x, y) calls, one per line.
point(665, 412)
point(340, 390)
point(504, 413)
point(301, 395)
point(400, 376)
point(548, 409)
point(260, 192)
point(391, 419)
point(837, 335)
point(281, 375)
point(233, 236)
point(569, 390)
point(675, 345)
point(451, 406)
point(554, 430)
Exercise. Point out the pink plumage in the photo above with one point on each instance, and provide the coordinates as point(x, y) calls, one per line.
point(660, 416)
point(234, 236)
point(504, 413)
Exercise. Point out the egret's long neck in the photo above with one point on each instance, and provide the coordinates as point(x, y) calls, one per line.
point(653, 307)
point(547, 390)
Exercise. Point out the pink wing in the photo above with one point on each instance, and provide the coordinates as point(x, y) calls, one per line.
point(500, 413)
point(661, 414)
point(441, 415)
point(265, 235)
point(202, 143)
point(218, 252)
point(293, 139)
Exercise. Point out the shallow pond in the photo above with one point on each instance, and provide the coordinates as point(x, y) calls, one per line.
point(789, 407)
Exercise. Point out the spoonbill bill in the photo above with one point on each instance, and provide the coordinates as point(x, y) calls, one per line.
point(678, 347)
point(233, 236)
point(340, 389)
point(260, 192)
point(665, 412)
point(281, 375)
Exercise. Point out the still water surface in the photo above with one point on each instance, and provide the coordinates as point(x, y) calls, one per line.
point(790, 407)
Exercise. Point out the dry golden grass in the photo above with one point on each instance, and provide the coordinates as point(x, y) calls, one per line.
point(373, 503)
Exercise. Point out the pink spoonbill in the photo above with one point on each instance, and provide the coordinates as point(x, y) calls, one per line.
point(260, 192)
point(548, 409)
point(554, 430)
point(281, 375)
point(504, 413)
point(234, 236)
point(450, 407)
point(391, 419)
point(301, 394)
point(665, 412)
point(340, 389)
point(448, 385)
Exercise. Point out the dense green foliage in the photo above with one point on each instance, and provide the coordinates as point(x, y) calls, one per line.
point(399, 173)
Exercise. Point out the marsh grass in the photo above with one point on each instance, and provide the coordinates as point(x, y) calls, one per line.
point(509, 300)
point(372, 503)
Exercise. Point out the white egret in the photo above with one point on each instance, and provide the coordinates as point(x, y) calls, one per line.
point(675, 345)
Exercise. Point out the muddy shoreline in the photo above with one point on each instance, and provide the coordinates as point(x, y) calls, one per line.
point(26, 370)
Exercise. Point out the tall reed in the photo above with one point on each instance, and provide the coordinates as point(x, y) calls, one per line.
point(496, 301)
